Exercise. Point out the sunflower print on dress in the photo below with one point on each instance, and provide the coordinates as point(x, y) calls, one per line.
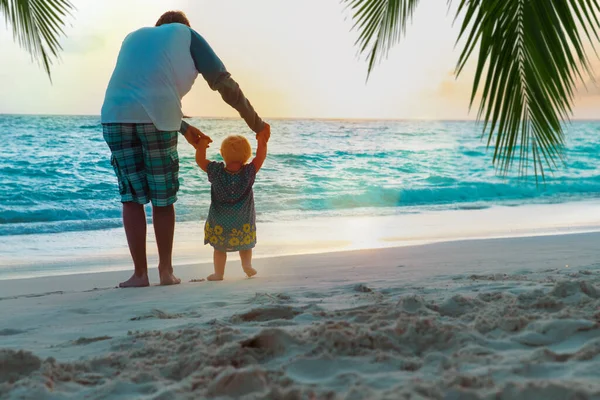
point(216, 236)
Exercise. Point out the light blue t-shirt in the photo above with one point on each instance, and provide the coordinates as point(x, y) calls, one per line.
point(156, 67)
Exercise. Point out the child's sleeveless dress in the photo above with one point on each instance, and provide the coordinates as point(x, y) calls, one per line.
point(231, 221)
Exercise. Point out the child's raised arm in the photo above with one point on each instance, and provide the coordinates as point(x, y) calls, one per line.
point(261, 150)
point(201, 154)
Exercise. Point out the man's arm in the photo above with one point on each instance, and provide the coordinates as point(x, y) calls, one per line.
point(214, 72)
point(184, 127)
point(192, 134)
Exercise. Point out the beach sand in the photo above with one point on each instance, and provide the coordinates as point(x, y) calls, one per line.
point(480, 319)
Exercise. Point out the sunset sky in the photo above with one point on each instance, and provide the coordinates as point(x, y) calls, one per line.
point(291, 58)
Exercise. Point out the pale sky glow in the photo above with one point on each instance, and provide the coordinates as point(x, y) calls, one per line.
point(292, 58)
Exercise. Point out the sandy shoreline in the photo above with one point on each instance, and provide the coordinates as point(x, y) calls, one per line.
point(503, 318)
point(66, 253)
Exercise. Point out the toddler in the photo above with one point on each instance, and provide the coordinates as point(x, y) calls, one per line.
point(231, 222)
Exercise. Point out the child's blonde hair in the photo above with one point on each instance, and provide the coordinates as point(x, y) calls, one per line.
point(236, 148)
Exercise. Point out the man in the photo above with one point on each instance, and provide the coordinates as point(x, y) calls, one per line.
point(142, 118)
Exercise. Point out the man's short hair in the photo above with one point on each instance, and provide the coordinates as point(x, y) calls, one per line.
point(171, 17)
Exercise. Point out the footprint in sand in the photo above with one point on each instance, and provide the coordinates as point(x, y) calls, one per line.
point(11, 332)
point(81, 311)
point(263, 314)
point(362, 288)
point(17, 364)
point(82, 341)
point(156, 313)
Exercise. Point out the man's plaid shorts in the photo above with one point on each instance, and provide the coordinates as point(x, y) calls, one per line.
point(145, 161)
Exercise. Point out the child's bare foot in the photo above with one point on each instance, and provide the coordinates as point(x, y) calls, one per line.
point(214, 277)
point(135, 281)
point(250, 272)
point(167, 279)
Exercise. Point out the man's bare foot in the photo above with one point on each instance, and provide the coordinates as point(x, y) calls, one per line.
point(135, 281)
point(250, 272)
point(214, 277)
point(167, 279)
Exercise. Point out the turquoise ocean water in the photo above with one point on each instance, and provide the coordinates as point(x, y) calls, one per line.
point(58, 193)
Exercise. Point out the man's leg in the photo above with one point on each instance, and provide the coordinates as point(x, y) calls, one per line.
point(161, 163)
point(134, 221)
point(163, 219)
point(128, 163)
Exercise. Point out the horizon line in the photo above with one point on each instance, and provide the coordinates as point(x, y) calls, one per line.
point(298, 118)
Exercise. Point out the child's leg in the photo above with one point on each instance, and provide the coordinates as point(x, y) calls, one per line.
point(219, 259)
point(246, 256)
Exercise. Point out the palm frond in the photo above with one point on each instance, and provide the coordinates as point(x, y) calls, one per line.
point(381, 24)
point(37, 26)
point(531, 55)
